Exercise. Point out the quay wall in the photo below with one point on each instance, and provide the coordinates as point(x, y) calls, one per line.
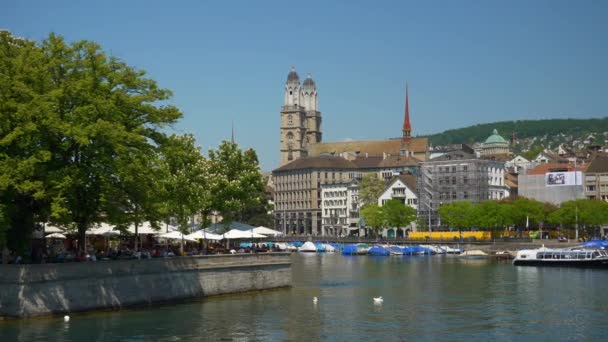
point(33, 290)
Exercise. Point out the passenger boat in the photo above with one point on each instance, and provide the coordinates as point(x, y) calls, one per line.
point(575, 257)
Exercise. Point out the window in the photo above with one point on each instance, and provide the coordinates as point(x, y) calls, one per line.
point(465, 168)
point(465, 195)
point(453, 168)
point(453, 195)
point(453, 180)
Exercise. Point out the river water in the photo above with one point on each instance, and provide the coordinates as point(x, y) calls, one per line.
point(426, 298)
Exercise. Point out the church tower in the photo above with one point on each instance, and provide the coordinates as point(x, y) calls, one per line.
point(313, 116)
point(293, 120)
point(407, 128)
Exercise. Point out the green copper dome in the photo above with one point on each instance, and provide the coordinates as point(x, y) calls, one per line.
point(495, 138)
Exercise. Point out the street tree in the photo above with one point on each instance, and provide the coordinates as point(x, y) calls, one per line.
point(93, 110)
point(24, 148)
point(235, 182)
point(370, 189)
point(374, 218)
point(397, 214)
point(186, 182)
point(457, 214)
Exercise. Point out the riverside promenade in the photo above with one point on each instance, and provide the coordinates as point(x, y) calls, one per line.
point(44, 289)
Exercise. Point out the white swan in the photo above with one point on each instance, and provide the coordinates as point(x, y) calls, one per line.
point(66, 318)
point(378, 300)
point(315, 300)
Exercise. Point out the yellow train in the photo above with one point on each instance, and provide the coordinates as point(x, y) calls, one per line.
point(450, 236)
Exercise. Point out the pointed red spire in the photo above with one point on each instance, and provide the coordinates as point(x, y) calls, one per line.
point(407, 127)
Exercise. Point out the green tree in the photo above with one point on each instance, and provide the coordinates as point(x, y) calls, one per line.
point(374, 217)
point(370, 189)
point(186, 181)
point(138, 192)
point(492, 215)
point(397, 214)
point(527, 212)
point(236, 182)
point(69, 114)
point(587, 213)
point(457, 214)
point(24, 148)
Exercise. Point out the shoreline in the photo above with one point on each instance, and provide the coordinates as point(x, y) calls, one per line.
point(52, 289)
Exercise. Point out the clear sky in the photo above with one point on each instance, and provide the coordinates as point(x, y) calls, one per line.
point(466, 62)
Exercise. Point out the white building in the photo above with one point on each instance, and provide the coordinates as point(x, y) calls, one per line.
point(340, 208)
point(402, 188)
point(519, 164)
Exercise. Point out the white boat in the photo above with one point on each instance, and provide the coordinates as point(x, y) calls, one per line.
point(569, 257)
point(308, 247)
point(451, 250)
point(436, 249)
point(474, 254)
point(329, 248)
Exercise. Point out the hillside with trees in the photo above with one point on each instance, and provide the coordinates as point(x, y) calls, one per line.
point(577, 128)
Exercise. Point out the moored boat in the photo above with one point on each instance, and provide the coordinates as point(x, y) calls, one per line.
point(575, 257)
point(474, 254)
point(308, 247)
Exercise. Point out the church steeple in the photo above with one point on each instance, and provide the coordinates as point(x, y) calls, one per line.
point(407, 127)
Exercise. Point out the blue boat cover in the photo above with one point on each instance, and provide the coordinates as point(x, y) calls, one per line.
point(377, 250)
point(349, 250)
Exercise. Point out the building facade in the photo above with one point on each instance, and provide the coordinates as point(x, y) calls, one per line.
point(300, 118)
point(309, 165)
point(495, 145)
point(403, 189)
point(340, 208)
point(533, 184)
point(457, 176)
point(596, 179)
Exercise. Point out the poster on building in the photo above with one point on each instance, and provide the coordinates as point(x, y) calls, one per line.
point(563, 178)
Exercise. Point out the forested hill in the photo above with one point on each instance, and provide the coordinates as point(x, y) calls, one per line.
point(523, 128)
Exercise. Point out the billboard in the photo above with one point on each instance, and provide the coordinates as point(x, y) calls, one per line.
point(563, 178)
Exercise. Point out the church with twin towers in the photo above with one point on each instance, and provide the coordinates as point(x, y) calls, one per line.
point(301, 133)
point(309, 167)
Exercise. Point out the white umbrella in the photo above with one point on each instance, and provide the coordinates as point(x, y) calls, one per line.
point(53, 229)
point(201, 234)
point(100, 229)
point(56, 236)
point(266, 231)
point(175, 235)
point(146, 228)
point(242, 234)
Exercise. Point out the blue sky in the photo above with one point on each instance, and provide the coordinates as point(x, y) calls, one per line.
point(466, 62)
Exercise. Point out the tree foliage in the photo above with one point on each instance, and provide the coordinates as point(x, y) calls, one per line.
point(585, 212)
point(236, 183)
point(83, 139)
point(370, 189)
point(373, 216)
point(397, 214)
point(524, 129)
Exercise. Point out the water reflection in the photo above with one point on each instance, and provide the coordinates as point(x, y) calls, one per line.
point(425, 298)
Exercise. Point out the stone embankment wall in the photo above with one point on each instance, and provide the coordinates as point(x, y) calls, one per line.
point(32, 290)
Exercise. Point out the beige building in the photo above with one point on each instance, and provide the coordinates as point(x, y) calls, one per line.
point(307, 164)
point(596, 179)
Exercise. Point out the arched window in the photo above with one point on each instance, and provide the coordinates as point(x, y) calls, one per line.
point(289, 119)
point(289, 136)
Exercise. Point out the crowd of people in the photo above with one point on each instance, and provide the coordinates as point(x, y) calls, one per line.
point(67, 251)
